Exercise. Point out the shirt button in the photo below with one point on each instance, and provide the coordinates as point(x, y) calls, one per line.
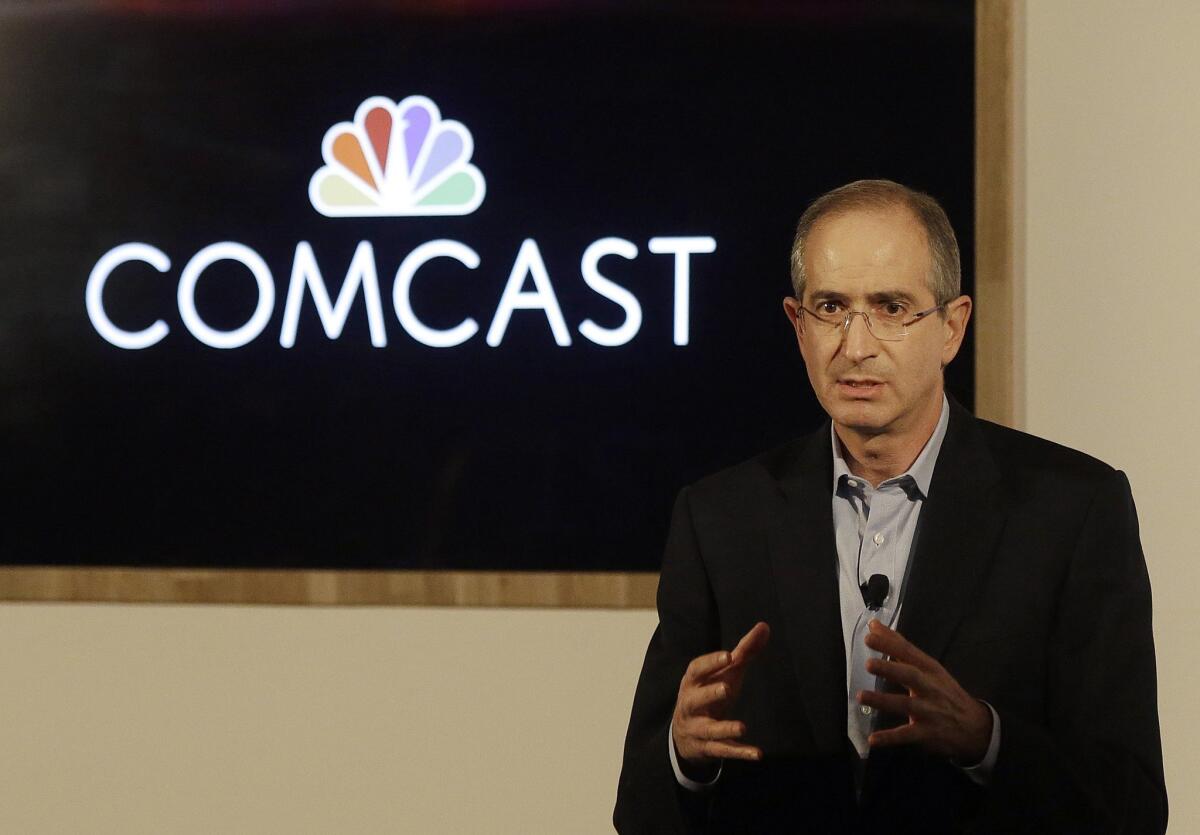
point(865, 710)
point(851, 483)
point(879, 538)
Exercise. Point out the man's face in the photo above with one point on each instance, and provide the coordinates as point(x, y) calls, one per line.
point(861, 260)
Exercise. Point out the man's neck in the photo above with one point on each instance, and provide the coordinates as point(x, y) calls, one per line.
point(878, 457)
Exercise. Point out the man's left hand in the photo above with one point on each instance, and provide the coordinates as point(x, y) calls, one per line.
point(942, 717)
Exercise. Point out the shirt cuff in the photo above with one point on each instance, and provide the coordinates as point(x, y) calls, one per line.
point(981, 772)
point(690, 785)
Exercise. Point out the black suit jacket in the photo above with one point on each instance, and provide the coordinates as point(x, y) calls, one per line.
point(1027, 583)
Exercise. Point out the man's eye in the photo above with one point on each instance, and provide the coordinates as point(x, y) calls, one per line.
point(828, 308)
point(892, 310)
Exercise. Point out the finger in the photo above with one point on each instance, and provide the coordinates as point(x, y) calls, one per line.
point(890, 642)
point(752, 643)
point(705, 665)
point(894, 703)
point(719, 731)
point(700, 700)
point(731, 751)
point(897, 672)
point(904, 735)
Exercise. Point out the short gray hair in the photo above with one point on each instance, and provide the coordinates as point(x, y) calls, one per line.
point(945, 274)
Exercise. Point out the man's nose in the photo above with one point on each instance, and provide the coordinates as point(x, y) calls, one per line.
point(858, 342)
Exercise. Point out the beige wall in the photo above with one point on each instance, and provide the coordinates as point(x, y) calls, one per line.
point(1113, 293)
point(129, 719)
point(193, 719)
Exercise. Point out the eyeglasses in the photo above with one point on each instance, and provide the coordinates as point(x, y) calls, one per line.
point(889, 321)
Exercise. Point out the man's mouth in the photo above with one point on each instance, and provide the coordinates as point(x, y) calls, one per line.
point(859, 386)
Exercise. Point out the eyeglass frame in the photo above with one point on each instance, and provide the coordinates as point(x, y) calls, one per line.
point(850, 314)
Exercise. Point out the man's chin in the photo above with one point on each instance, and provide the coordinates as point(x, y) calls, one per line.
point(865, 418)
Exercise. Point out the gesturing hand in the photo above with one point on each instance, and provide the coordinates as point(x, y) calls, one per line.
point(709, 689)
point(942, 717)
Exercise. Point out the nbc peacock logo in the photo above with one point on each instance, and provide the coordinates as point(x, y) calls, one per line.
point(397, 159)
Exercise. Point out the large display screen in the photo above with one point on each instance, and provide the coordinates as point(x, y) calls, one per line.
point(451, 285)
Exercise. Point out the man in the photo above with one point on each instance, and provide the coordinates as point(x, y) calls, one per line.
point(912, 620)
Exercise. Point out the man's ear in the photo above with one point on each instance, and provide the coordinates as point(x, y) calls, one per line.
point(792, 308)
point(954, 326)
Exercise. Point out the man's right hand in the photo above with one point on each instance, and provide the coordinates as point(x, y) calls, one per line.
point(707, 693)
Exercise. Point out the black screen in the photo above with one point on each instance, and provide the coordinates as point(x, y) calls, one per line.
point(183, 126)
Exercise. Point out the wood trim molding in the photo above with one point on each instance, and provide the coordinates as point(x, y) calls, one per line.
point(331, 588)
point(998, 364)
point(999, 177)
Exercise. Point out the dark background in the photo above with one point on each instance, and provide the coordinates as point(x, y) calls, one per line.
point(183, 125)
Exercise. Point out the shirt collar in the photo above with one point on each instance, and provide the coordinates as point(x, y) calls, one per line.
point(921, 471)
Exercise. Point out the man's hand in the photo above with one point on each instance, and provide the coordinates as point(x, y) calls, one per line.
point(709, 689)
point(942, 717)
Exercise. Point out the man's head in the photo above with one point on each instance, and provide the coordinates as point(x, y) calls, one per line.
point(945, 274)
point(879, 248)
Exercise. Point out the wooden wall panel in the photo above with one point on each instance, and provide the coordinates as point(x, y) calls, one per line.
point(998, 347)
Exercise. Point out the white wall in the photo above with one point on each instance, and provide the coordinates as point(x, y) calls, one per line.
point(1113, 294)
point(129, 719)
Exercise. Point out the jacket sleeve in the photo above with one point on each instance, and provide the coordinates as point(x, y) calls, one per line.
point(649, 800)
point(1094, 764)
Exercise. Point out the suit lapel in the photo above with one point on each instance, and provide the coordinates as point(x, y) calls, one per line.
point(804, 566)
point(956, 537)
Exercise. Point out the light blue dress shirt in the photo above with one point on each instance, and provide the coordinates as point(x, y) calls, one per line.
point(874, 528)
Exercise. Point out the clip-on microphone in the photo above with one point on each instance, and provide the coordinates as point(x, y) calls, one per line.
point(875, 591)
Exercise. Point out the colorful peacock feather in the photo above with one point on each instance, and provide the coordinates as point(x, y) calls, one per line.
point(397, 159)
